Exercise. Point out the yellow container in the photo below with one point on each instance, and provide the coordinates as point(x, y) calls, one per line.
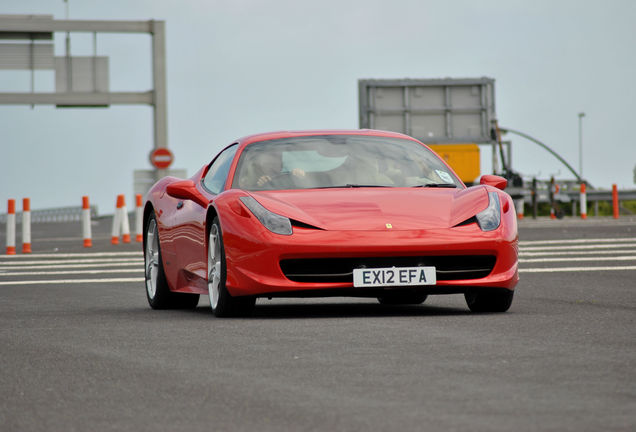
point(463, 158)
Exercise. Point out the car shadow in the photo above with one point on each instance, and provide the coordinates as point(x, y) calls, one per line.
point(346, 310)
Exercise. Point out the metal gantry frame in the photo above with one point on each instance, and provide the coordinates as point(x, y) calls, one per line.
point(34, 27)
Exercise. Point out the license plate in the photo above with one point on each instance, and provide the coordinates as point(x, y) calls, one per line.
point(394, 276)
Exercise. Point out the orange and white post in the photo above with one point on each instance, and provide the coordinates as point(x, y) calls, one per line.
point(519, 204)
point(139, 214)
point(117, 217)
point(26, 225)
point(615, 202)
point(11, 227)
point(86, 222)
point(583, 201)
point(125, 224)
point(120, 222)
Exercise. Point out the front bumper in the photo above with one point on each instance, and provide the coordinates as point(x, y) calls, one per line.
point(254, 261)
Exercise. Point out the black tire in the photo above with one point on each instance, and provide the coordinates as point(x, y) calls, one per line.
point(157, 290)
point(222, 303)
point(495, 300)
point(402, 298)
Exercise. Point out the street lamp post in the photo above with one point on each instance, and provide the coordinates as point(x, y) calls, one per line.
point(581, 115)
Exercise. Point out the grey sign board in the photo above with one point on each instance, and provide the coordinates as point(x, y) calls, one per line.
point(20, 24)
point(88, 74)
point(432, 110)
point(26, 56)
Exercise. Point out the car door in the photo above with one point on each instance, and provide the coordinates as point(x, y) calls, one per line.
point(190, 241)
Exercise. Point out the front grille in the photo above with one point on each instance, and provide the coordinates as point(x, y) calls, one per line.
point(452, 267)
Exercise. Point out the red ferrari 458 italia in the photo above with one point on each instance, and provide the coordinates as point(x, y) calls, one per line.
point(360, 213)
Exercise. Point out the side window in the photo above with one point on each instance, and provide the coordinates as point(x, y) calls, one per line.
point(217, 174)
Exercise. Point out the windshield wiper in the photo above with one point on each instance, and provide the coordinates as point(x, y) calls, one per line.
point(438, 185)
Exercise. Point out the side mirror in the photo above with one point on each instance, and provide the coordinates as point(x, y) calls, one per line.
point(187, 190)
point(493, 180)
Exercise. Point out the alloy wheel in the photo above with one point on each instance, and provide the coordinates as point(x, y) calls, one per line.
point(152, 259)
point(214, 266)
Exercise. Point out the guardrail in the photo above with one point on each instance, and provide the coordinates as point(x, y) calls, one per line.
point(543, 195)
point(572, 196)
point(60, 214)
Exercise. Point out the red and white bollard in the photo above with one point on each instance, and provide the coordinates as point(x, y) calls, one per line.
point(11, 227)
point(139, 216)
point(125, 224)
point(26, 225)
point(519, 204)
point(117, 217)
point(555, 190)
point(583, 201)
point(86, 222)
point(120, 222)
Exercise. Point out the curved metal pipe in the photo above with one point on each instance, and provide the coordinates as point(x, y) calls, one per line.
point(536, 141)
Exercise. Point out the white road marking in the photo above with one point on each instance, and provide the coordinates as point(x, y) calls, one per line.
point(107, 263)
point(616, 258)
point(88, 263)
point(73, 255)
point(77, 261)
point(571, 241)
point(574, 269)
point(60, 266)
point(69, 272)
point(577, 250)
point(578, 247)
point(609, 252)
point(73, 281)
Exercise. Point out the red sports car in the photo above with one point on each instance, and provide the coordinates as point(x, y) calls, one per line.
point(328, 213)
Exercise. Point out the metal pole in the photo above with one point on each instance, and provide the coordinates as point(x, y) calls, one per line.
point(533, 192)
point(32, 65)
point(94, 62)
point(495, 163)
point(509, 148)
point(581, 115)
point(159, 84)
point(69, 64)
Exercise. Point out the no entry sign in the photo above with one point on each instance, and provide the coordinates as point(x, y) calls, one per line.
point(161, 158)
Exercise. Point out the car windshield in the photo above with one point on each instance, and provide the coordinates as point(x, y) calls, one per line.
point(333, 161)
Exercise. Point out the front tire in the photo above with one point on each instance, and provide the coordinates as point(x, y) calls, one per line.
point(157, 290)
point(496, 300)
point(221, 302)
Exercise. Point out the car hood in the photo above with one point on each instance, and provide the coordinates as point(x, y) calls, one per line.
point(377, 208)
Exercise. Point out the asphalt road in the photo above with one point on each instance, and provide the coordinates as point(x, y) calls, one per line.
point(81, 350)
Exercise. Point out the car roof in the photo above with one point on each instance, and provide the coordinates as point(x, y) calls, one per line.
point(290, 134)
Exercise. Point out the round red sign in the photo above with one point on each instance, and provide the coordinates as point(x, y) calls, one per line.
point(161, 158)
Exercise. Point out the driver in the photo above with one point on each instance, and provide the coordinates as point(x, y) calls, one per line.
point(270, 165)
point(265, 170)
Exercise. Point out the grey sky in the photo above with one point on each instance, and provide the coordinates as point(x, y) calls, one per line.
point(237, 67)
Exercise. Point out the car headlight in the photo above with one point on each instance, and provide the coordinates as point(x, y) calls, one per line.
point(274, 222)
point(490, 218)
